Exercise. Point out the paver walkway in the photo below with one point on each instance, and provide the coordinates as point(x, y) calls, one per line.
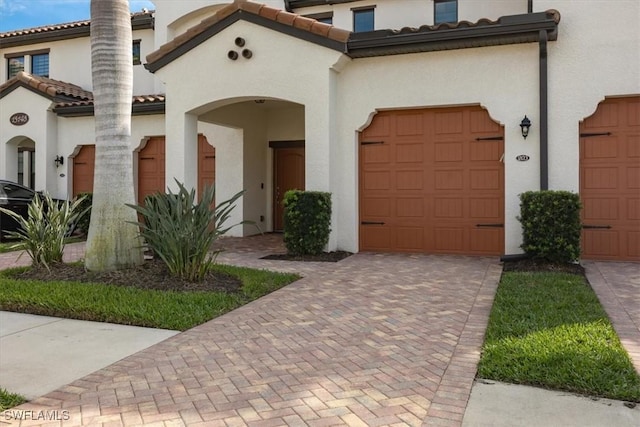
point(617, 285)
point(372, 340)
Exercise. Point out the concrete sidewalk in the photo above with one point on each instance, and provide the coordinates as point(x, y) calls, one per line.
point(39, 354)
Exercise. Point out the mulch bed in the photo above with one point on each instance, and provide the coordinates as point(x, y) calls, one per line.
point(153, 274)
point(537, 265)
point(323, 257)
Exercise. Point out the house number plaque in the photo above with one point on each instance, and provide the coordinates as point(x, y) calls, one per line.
point(19, 119)
point(522, 158)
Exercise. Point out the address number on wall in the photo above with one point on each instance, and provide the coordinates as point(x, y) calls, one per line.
point(522, 158)
point(19, 119)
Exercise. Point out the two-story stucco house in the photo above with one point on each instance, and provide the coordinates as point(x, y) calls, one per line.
point(412, 113)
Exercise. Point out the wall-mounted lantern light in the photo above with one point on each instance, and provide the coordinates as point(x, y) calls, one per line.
point(525, 124)
point(59, 161)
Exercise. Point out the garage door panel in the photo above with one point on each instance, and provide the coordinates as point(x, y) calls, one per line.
point(410, 207)
point(633, 113)
point(409, 238)
point(410, 180)
point(377, 238)
point(448, 122)
point(600, 208)
point(379, 127)
point(376, 207)
point(377, 180)
point(610, 181)
point(601, 147)
point(488, 208)
point(448, 208)
point(449, 179)
point(483, 240)
point(633, 178)
point(411, 152)
point(409, 124)
point(448, 151)
point(600, 178)
point(375, 153)
point(449, 239)
point(480, 151)
point(483, 179)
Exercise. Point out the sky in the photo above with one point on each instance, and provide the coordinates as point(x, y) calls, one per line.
point(19, 14)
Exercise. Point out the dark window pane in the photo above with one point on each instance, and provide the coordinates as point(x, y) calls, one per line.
point(446, 11)
point(363, 20)
point(15, 66)
point(136, 52)
point(40, 65)
point(326, 20)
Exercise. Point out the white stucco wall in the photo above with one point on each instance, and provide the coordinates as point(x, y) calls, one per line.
point(269, 74)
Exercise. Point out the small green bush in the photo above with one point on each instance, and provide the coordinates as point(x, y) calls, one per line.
point(180, 230)
point(42, 234)
point(84, 220)
point(307, 220)
point(551, 225)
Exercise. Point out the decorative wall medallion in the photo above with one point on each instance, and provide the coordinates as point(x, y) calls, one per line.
point(19, 119)
point(522, 158)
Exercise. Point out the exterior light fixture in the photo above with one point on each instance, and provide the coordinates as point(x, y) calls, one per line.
point(525, 124)
point(59, 161)
point(259, 101)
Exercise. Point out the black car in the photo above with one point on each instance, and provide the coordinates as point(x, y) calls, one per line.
point(16, 198)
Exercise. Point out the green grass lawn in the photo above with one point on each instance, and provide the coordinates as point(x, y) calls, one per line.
point(549, 330)
point(132, 306)
point(9, 400)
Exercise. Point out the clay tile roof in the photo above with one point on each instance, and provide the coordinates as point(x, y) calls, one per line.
point(45, 28)
point(261, 11)
point(55, 89)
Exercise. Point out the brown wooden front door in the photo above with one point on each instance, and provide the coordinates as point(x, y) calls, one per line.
point(288, 175)
point(432, 181)
point(206, 163)
point(83, 168)
point(151, 168)
point(610, 181)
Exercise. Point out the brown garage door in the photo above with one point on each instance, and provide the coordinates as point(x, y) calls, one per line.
point(432, 181)
point(151, 166)
point(610, 181)
point(83, 166)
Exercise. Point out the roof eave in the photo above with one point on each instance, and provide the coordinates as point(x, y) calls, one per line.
point(233, 18)
point(86, 110)
point(508, 30)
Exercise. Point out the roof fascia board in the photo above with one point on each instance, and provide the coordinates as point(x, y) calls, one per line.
point(230, 20)
point(296, 4)
point(142, 22)
point(20, 84)
point(86, 110)
point(509, 30)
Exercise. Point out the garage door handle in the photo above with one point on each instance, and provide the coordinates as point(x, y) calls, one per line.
point(591, 227)
point(490, 225)
point(372, 223)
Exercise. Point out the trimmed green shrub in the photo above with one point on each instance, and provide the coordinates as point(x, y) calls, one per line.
point(83, 222)
point(42, 234)
point(180, 230)
point(551, 225)
point(307, 220)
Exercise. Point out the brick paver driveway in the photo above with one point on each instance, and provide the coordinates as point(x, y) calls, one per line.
point(372, 340)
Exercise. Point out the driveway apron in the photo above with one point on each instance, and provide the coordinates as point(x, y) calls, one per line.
point(375, 339)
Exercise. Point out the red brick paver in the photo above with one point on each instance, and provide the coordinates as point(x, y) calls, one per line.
point(617, 285)
point(374, 340)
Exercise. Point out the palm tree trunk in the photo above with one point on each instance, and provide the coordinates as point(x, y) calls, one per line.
point(112, 242)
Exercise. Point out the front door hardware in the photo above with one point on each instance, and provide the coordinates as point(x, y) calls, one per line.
point(490, 225)
point(371, 223)
point(587, 135)
point(596, 227)
point(371, 142)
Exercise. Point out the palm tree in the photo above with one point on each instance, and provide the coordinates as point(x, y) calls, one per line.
point(113, 241)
